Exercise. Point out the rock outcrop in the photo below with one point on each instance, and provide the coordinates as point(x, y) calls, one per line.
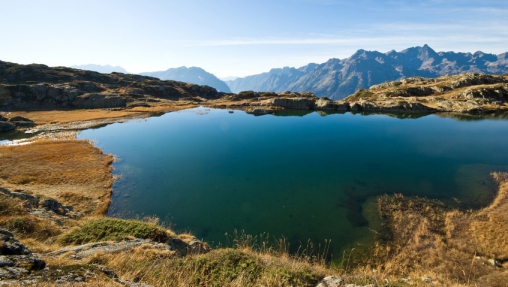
point(16, 260)
point(36, 86)
point(49, 208)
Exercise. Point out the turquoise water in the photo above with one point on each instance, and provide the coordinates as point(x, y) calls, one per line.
point(303, 176)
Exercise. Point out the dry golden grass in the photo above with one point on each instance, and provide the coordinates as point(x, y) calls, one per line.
point(221, 267)
point(71, 171)
point(72, 116)
point(46, 117)
point(450, 246)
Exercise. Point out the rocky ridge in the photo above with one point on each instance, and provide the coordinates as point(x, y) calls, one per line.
point(39, 87)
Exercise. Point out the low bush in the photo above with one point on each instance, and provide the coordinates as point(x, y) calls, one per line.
point(10, 206)
point(114, 229)
point(20, 224)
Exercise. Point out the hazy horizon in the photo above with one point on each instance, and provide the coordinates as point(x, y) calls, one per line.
point(230, 39)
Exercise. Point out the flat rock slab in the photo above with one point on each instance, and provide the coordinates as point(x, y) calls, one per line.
point(88, 249)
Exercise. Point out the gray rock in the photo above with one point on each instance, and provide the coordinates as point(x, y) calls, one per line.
point(11, 246)
point(5, 261)
point(355, 107)
point(17, 272)
point(331, 281)
point(325, 104)
point(85, 250)
point(4, 274)
point(299, 103)
point(54, 205)
point(6, 127)
point(20, 195)
point(342, 106)
point(29, 262)
point(177, 245)
point(6, 233)
point(198, 247)
point(3, 119)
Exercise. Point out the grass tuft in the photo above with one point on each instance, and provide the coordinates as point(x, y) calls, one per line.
point(114, 229)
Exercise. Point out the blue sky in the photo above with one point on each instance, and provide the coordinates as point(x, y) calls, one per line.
point(239, 37)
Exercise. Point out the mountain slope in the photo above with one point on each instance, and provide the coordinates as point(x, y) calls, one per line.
point(193, 75)
point(337, 78)
point(106, 69)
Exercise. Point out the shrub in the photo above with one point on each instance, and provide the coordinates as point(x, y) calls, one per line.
point(114, 229)
point(224, 266)
point(20, 224)
point(10, 206)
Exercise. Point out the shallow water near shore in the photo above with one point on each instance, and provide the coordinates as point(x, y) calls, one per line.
point(301, 176)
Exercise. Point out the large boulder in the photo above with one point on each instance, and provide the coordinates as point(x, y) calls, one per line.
point(298, 103)
point(15, 258)
point(325, 104)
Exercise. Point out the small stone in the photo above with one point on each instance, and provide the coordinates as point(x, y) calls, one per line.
point(331, 281)
point(426, 279)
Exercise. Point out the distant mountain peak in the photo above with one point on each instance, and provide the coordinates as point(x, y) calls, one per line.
point(337, 78)
point(195, 75)
point(105, 69)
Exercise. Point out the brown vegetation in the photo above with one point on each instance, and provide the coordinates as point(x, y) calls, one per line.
point(71, 171)
point(457, 248)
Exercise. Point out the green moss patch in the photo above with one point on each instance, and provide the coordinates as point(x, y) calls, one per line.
point(114, 229)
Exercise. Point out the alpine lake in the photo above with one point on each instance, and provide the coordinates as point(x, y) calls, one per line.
point(307, 177)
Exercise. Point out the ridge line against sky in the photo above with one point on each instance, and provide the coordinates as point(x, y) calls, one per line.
point(240, 38)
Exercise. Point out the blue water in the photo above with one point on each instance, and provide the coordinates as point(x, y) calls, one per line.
point(307, 177)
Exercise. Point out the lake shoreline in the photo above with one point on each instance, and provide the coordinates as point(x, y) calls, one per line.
point(66, 132)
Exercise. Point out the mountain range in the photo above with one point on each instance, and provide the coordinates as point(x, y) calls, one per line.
point(193, 75)
point(105, 69)
point(337, 78)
